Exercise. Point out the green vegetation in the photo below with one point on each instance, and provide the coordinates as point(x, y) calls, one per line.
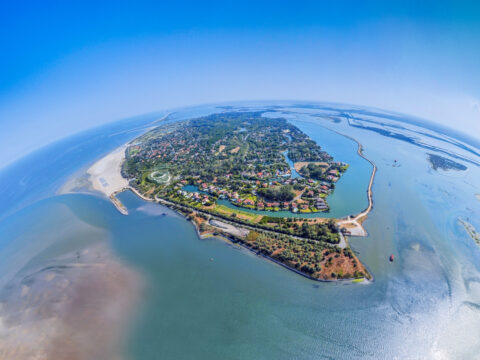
point(235, 156)
point(304, 255)
point(281, 193)
point(312, 170)
point(239, 157)
point(324, 173)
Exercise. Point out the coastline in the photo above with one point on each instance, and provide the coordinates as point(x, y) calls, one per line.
point(105, 176)
point(354, 223)
point(471, 231)
point(220, 233)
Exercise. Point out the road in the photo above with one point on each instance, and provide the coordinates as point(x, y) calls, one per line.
point(233, 223)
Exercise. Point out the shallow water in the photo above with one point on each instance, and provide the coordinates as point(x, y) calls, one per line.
point(423, 305)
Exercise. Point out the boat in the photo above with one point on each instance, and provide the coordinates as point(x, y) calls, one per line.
point(391, 258)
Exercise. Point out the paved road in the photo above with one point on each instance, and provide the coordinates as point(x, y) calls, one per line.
point(162, 201)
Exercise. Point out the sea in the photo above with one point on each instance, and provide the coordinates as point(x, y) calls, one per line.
point(210, 299)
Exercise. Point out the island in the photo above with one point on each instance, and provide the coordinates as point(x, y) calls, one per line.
point(230, 173)
point(440, 162)
point(471, 231)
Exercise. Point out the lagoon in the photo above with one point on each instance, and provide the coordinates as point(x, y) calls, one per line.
point(350, 195)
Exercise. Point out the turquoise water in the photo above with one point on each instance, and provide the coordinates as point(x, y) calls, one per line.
point(193, 188)
point(424, 305)
point(294, 173)
point(350, 195)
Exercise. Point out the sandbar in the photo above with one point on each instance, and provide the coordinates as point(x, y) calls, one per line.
point(77, 306)
point(105, 175)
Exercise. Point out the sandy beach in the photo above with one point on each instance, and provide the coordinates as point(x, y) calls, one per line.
point(105, 175)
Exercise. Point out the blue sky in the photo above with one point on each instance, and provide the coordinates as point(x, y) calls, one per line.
point(69, 67)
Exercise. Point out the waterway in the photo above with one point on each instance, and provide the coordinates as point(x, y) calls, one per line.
point(350, 195)
point(294, 173)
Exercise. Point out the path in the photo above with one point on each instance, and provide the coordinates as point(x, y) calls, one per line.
point(358, 229)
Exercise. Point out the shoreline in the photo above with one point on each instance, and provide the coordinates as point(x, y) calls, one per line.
point(471, 231)
point(105, 176)
point(230, 238)
point(357, 219)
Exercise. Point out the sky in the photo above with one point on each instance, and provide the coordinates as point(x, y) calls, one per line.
point(67, 67)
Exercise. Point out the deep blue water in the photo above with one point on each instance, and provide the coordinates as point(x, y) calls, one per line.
point(41, 173)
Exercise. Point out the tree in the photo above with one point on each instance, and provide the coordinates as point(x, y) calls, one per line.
point(305, 229)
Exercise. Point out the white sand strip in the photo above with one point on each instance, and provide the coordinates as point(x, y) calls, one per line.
point(105, 175)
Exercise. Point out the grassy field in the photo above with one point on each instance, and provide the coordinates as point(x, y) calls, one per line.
point(224, 210)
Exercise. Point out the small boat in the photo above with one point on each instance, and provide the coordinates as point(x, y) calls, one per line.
point(391, 258)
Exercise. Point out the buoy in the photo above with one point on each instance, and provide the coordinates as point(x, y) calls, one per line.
point(392, 257)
